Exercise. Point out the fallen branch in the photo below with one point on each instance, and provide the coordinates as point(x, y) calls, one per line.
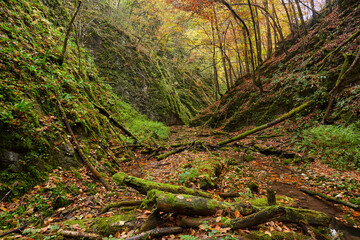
point(144, 186)
point(267, 125)
point(336, 89)
point(229, 195)
point(79, 150)
point(332, 199)
point(255, 219)
point(121, 204)
point(165, 155)
point(158, 232)
point(104, 112)
point(356, 34)
point(74, 234)
point(16, 230)
point(180, 147)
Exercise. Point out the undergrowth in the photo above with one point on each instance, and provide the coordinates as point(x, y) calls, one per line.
point(337, 145)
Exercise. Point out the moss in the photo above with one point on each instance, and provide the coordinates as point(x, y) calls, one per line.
point(281, 200)
point(144, 186)
point(110, 225)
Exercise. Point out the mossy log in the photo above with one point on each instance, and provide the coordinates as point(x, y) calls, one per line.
point(144, 186)
point(256, 235)
point(267, 125)
point(121, 204)
point(80, 235)
point(255, 219)
point(191, 205)
point(296, 215)
point(157, 232)
point(332, 199)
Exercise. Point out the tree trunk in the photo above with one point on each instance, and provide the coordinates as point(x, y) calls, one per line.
point(291, 26)
point(294, 15)
point(268, 31)
point(216, 80)
point(222, 51)
point(258, 53)
point(247, 65)
point(303, 25)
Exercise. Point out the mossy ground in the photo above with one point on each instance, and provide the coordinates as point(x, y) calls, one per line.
point(32, 128)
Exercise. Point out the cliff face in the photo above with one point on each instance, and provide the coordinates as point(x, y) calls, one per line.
point(144, 77)
point(309, 69)
point(33, 136)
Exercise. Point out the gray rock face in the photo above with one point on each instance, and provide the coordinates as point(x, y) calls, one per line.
point(9, 159)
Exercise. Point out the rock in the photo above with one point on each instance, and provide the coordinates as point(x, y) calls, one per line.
point(10, 160)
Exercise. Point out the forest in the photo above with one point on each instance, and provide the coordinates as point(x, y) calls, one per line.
point(180, 119)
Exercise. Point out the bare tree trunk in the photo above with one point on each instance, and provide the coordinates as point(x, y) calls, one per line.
point(222, 51)
point(247, 66)
point(303, 25)
point(289, 19)
point(268, 30)
point(239, 68)
point(314, 13)
point(258, 51)
point(294, 15)
point(216, 80)
point(259, 36)
point(62, 56)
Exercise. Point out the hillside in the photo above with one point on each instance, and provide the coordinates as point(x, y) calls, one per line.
point(309, 69)
point(34, 138)
point(143, 76)
point(82, 155)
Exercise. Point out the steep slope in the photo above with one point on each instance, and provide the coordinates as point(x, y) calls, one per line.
point(309, 69)
point(33, 136)
point(144, 77)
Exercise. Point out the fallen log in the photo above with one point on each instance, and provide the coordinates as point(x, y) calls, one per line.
point(121, 204)
point(157, 232)
point(255, 219)
point(16, 230)
point(81, 235)
point(332, 199)
point(267, 125)
point(144, 186)
point(192, 205)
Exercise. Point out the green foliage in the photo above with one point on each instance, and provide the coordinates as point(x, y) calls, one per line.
point(338, 145)
point(30, 208)
point(31, 83)
point(188, 175)
point(188, 237)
